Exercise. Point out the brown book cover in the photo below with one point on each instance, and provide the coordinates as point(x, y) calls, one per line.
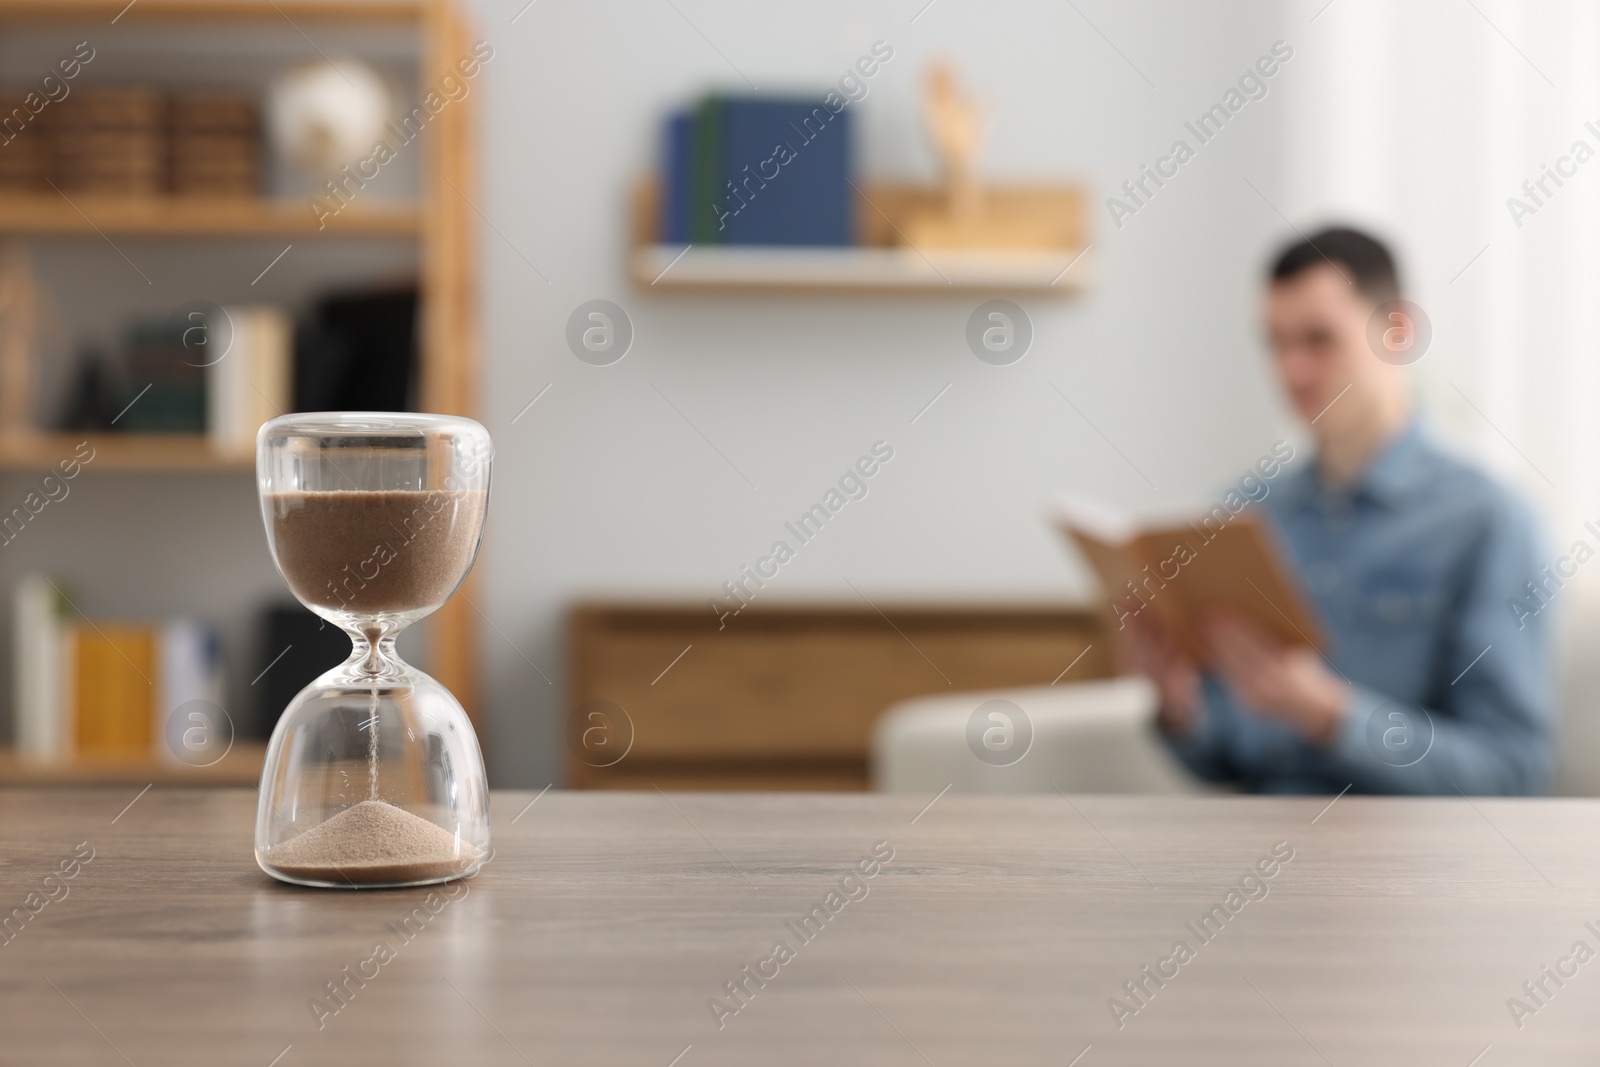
point(1182, 571)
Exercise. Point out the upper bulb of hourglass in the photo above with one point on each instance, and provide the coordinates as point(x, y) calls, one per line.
point(375, 560)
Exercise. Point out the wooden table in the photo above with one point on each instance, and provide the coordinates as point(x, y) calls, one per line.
point(996, 935)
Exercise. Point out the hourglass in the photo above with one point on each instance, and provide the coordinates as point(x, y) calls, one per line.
point(373, 776)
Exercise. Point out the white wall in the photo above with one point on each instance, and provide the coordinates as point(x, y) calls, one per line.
point(602, 488)
point(1429, 151)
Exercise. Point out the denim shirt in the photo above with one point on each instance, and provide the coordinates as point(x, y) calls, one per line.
point(1412, 570)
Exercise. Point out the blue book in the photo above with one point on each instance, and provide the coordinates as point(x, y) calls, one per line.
point(677, 179)
point(782, 170)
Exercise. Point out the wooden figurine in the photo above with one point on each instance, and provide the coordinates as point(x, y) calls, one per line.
point(956, 125)
point(962, 215)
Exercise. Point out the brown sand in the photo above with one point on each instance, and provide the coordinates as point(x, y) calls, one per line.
point(373, 843)
point(371, 552)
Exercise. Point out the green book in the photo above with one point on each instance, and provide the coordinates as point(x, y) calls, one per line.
point(707, 172)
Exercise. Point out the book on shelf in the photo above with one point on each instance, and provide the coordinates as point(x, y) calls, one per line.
point(252, 380)
point(86, 687)
point(135, 140)
point(214, 144)
point(296, 648)
point(110, 140)
point(357, 350)
point(677, 179)
point(112, 687)
point(166, 385)
point(188, 684)
point(706, 147)
point(784, 176)
point(38, 651)
point(1184, 570)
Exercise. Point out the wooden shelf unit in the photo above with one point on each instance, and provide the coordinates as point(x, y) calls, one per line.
point(122, 452)
point(880, 263)
point(241, 766)
point(176, 216)
point(212, 10)
point(441, 222)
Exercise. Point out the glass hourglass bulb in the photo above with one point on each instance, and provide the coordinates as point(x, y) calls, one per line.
point(373, 776)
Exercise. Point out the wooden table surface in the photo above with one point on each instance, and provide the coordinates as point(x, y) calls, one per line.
point(606, 924)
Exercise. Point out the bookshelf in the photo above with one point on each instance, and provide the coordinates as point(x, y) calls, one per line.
point(172, 216)
point(439, 220)
point(327, 10)
point(880, 263)
point(241, 766)
point(122, 452)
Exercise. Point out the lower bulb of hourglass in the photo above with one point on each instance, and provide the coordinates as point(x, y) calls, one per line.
point(373, 780)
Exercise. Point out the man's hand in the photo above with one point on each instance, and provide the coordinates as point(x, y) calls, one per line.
point(1152, 653)
point(1287, 683)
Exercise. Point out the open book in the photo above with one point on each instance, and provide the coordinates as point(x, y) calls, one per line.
point(1180, 571)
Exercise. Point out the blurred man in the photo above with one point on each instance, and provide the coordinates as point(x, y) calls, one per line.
point(1429, 681)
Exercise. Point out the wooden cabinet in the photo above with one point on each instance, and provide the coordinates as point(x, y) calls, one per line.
point(786, 697)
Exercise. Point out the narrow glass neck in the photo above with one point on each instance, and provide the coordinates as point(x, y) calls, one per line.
point(372, 654)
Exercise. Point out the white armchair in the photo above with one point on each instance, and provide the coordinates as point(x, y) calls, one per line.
point(1086, 737)
point(1579, 753)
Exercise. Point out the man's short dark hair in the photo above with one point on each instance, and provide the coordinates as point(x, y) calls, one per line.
point(1363, 259)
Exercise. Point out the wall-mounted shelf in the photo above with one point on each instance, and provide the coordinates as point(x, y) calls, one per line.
point(241, 766)
point(122, 452)
point(855, 270)
point(174, 216)
point(881, 262)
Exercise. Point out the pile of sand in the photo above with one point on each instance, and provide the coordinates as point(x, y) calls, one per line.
point(373, 842)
